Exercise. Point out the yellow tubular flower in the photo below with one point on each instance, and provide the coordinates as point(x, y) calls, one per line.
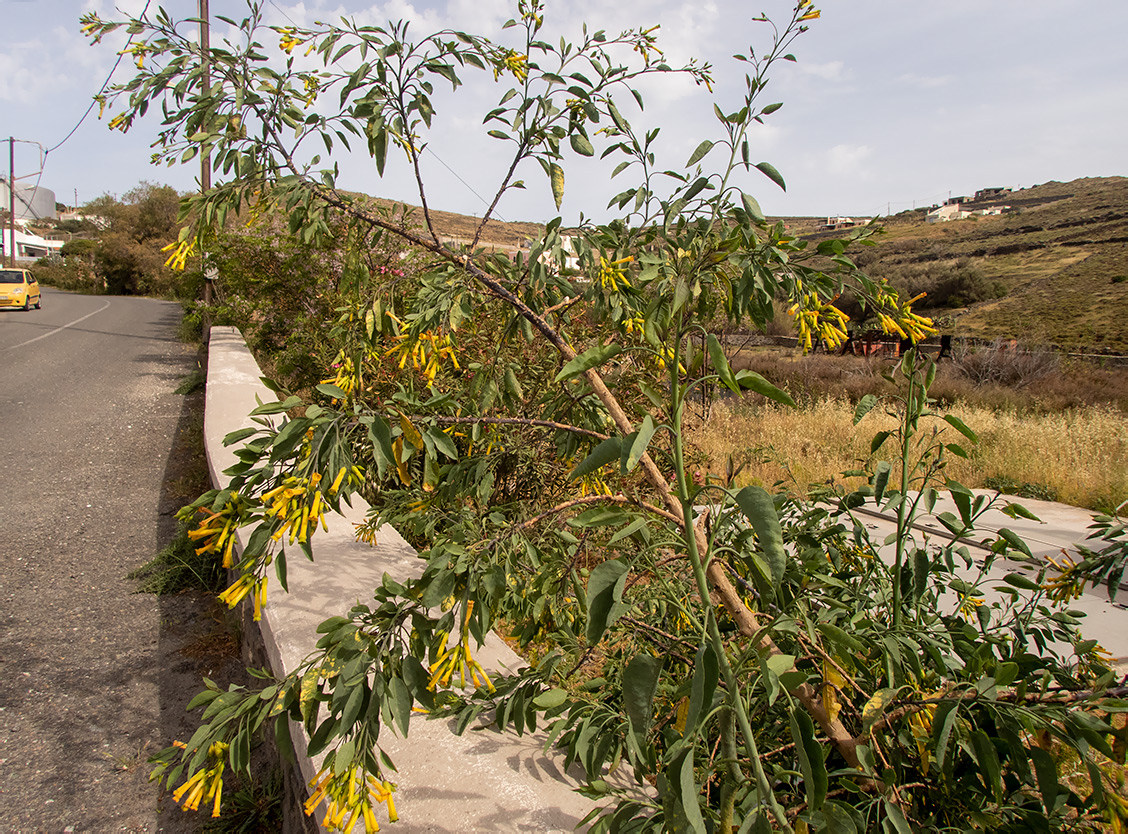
point(611, 273)
point(184, 249)
point(349, 798)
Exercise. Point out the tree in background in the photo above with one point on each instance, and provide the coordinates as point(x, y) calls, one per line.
point(123, 253)
point(757, 659)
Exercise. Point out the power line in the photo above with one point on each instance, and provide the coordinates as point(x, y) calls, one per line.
point(94, 99)
point(275, 5)
point(485, 202)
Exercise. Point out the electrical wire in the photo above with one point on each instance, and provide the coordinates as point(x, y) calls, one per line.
point(94, 100)
point(485, 202)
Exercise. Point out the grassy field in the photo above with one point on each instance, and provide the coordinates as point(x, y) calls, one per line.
point(1078, 456)
point(1059, 431)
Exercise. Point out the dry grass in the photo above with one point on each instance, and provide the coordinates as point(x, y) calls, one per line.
point(1081, 455)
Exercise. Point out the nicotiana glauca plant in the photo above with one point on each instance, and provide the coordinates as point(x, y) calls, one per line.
point(755, 660)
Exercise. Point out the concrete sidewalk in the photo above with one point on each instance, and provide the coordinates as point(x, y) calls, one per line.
point(1058, 529)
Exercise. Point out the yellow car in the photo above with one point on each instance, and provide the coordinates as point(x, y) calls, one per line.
point(18, 288)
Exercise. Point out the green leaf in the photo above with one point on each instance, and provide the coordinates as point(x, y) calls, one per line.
point(771, 173)
point(1014, 541)
point(642, 440)
point(751, 206)
point(352, 708)
point(640, 682)
point(235, 436)
point(628, 531)
point(943, 723)
point(987, 757)
point(687, 795)
point(401, 703)
point(551, 698)
point(754, 382)
point(881, 479)
point(605, 588)
point(699, 153)
point(607, 451)
point(330, 390)
point(810, 758)
point(758, 507)
point(1045, 769)
point(581, 145)
point(896, 817)
point(958, 425)
point(864, 407)
point(1020, 581)
point(590, 358)
point(706, 671)
point(720, 364)
point(879, 441)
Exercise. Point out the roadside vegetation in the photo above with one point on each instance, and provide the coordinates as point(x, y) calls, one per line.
point(754, 668)
point(118, 248)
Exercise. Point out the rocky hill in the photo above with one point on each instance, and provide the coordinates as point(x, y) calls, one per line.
point(1052, 269)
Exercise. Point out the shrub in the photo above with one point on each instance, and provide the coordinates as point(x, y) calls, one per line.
point(1004, 363)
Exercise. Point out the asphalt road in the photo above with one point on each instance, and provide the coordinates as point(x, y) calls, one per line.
point(92, 675)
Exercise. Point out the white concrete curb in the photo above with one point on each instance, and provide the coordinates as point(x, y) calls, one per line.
point(481, 781)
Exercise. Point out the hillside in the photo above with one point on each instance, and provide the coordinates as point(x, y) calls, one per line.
point(1052, 270)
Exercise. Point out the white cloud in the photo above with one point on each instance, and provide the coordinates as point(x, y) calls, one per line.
point(828, 71)
point(926, 82)
point(849, 160)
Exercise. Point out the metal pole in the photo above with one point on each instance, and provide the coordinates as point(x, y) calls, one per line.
point(205, 46)
point(205, 161)
point(12, 201)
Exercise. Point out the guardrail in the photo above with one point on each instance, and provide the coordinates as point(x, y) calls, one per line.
point(480, 781)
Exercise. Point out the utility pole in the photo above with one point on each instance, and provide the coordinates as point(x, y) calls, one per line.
point(205, 61)
point(205, 160)
point(11, 247)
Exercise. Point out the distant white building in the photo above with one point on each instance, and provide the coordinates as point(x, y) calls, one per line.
point(28, 246)
point(949, 211)
point(839, 222)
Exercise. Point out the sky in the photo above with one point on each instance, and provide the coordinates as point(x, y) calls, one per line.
point(889, 106)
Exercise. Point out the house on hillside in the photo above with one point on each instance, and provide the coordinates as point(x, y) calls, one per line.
point(948, 211)
point(28, 246)
point(984, 194)
point(838, 223)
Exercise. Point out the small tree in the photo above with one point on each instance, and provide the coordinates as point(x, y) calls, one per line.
point(756, 657)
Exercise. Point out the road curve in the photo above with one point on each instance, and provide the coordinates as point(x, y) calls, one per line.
point(89, 415)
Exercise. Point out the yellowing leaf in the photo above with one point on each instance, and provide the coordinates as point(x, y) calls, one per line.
point(556, 174)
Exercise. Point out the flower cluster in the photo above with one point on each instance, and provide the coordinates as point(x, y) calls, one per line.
point(611, 273)
point(426, 351)
point(346, 377)
point(515, 63)
point(920, 725)
point(350, 798)
point(184, 249)
point(248, 583)
point(647, 43)
point(904, 322)
point(216, 533)
point(296, 502)
point(456, 658)
point(1068, 584)
point(289, 39)
point(205, 784)
point(811, 14)
point(969, 606)
point(814, 317)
